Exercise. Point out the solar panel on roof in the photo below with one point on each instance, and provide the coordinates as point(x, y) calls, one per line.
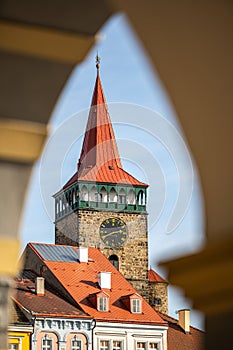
point(56, 252)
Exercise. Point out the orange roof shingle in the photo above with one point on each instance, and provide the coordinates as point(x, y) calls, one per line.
point(80, 280)
point(50, 304)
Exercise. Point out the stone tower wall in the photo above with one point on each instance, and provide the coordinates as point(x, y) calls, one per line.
point(82, 228)
point(159, 290)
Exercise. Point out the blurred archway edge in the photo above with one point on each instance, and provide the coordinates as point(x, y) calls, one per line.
point(190, 44)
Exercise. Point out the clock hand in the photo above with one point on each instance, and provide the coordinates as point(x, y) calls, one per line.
point(110, 234)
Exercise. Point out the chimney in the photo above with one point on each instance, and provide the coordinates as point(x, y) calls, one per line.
point(39, 286)
point(184, 320)
point(83, 254)
point(104, 280)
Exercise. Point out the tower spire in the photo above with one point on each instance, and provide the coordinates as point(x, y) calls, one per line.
point(99, 159)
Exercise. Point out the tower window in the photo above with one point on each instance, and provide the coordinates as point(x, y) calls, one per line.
point(114, 261)
point(158, 301)
point(122, 197)
point(84, 194)
point(98, 197)
point(112, 196)
point(141, 198)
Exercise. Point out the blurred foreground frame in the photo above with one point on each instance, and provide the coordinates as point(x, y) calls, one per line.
point(193, 57)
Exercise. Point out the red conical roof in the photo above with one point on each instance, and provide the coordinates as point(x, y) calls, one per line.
point(99, 145)
point(100, 160)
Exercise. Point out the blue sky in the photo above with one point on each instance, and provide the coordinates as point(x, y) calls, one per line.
point(150, 142)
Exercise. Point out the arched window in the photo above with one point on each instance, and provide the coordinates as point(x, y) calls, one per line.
point(141, 198)
point(112, 195)
point(122, 197)
point(84, 194)
point(93, 195)
point(131, 197)
point(76, 343)
point(114, 261)
point(73, 197)
point(103, 194)
point(47, 343)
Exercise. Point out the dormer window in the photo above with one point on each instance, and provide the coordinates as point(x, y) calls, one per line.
point(102, 303)
point(136, 306)
point(133, 303)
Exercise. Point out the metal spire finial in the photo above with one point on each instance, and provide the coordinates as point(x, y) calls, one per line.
point(97, 59)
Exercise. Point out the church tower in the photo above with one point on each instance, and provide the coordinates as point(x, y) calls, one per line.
point(102, 205)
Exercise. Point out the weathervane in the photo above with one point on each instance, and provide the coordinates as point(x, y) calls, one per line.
point(97, 59)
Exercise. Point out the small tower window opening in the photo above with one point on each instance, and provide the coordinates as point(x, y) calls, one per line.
point(131, 197)
point(104, 195)
point(122, 197)
point(113, 196)
point(98, 197)
point(92, 194)
point(141, 198)
point(114, 261)
point(73, 197)
point(158, 301)
point(84, 194)
point(57, 207)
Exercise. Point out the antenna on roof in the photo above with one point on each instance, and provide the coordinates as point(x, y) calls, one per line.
point(97, 60)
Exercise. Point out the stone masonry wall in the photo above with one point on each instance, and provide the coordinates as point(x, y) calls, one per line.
point(82, 228)
point(158, 290)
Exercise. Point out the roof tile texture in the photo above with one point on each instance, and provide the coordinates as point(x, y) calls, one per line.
point(81, 280)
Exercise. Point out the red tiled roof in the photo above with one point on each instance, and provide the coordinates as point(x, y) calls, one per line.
point(100, 160)
point(49, 305)
point(155, 277)
point(177, 339)
point(80, 280)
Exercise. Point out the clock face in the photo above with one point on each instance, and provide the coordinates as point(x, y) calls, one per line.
point(113, 232)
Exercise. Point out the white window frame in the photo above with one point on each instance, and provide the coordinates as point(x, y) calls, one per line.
point(44, 347)
point(104, 348)
point(75, 338)
point(147, 343)
point(136, 306)
point(110, 343)
point(103, 303)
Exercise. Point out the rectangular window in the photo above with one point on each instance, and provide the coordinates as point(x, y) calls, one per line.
point(141, 345)
point(76, 344)
point(104, 345)
point(46, 344)
point(13, 346)
point(102, 304)
point(136, 306)
point(117, 345)
point(153, 346)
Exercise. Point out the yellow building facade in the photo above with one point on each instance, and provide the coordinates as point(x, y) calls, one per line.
point(19, 340)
